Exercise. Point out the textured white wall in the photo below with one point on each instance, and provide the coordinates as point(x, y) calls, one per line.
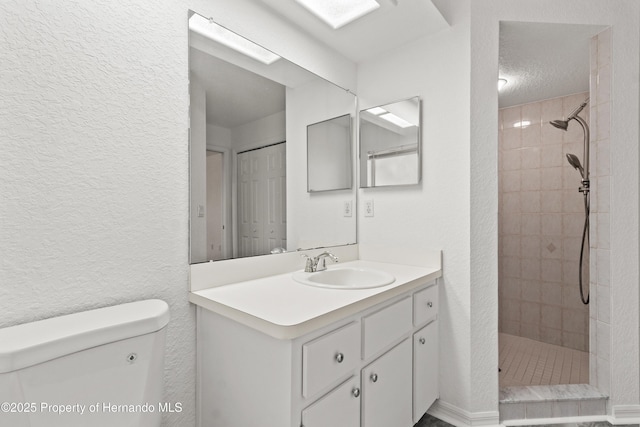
point(94, 165)
point(434, 214)
point(93, 124)
point(314, 219)
point(623, 16)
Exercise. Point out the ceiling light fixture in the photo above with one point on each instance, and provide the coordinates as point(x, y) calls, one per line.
point(338, 13)
point(398, 121)
point(208, 28)
point(377, 110)
point(501, 83)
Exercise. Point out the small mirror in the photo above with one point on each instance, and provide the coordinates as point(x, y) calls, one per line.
point(329, 155)
point(390, 144)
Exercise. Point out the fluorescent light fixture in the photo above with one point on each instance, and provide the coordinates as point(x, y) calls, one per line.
point(522, 124)
point(215, 32)
point(377, 110)
point(398, 121)
point(337, 13)
point(501, 83)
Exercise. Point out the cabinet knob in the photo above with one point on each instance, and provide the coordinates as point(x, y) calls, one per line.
point(422, 340)
point(374, 377)
point(339, 357)
point(429, 304)
point(355, 392)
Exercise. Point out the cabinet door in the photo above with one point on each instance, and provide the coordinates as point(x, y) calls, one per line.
point(386, 389)
point(425, 369)
point(340, 407)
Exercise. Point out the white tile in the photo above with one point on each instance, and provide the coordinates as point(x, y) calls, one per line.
point(551, 316)
point(532, 112)
point(603, 194)
point(604, 47)
point(551, 109)
point(530, 224)
point(603, 266)
point(530, 269)
point(512, 411)
point(604, 375)
point(530, 179)
point(551, 156)
point(565, 409)
point(572, 224)
point(511, 202)
point(603, 230)
point(531, 291)
point(551, 178)
point(551, 247)
point(551, 294)
point(511, 139)
point(551, 201)
point(604, 84)
point(551, 270)
point(510, 181)
point(530, 201)
point(550, 134)
point(603, 331)
point(604, 304)
point(603, 167)
point(530, 247)
point(592, 407)
point(511, 160)
point(538, 410)
point(603, 129)
point(511, 116)
point(532, 135)
point(530, 158)
point(551, 224)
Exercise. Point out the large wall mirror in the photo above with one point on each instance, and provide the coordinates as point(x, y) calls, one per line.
point(249, 114)
point(390, 144)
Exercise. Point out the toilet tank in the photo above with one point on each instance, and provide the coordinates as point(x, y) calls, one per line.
point(101, 367)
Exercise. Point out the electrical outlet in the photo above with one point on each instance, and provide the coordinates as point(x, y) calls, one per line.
point(347, 208)
point(368, 208)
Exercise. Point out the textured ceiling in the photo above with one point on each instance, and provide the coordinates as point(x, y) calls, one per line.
point(542, 61)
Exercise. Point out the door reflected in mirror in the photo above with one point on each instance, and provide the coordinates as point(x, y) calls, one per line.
point(390, 144)
point(329, 155)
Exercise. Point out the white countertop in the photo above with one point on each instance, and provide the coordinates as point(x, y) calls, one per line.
point(285, 309)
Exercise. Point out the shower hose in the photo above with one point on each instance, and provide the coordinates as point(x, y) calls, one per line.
point(585, 239)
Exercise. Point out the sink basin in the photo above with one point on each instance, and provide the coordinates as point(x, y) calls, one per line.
point(345, 278)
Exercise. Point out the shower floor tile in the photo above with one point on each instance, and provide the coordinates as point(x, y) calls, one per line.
point(524, 362)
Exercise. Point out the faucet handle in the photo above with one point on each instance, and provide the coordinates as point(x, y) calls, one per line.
point(309, 267)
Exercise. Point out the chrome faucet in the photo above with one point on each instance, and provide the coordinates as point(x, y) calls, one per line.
point(318, 263)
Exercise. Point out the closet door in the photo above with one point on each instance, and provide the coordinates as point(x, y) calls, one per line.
point(276, 198)
point(261, 200)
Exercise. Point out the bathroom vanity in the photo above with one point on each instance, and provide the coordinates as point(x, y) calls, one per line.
point(274, 352)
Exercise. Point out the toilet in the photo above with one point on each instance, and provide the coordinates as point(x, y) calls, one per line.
point(96, 368)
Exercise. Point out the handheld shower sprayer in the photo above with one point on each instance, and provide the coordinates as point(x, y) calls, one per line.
point(584, 189)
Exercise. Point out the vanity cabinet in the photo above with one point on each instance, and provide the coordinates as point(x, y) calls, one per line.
point(376, 368)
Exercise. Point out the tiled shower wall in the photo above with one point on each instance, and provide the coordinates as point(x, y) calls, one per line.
point(541, 220)
point(599, 350)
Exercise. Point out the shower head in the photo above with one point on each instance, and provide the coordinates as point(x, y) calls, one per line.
point(575, 112)
point(560, 124)
point(575, 162)
point(564, 124)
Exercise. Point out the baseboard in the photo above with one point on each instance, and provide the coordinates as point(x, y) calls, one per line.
point(462, 418)
point(625, 414)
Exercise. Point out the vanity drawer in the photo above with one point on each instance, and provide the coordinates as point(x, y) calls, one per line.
point(386, 326)
point(329, 357)
point(425, 305)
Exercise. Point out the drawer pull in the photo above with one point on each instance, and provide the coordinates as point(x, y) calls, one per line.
point(422, 340)
point(429, 304)
point(374, 377)
point(339, 357)
point(355, 392)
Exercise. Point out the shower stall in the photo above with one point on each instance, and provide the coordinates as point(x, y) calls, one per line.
point(544, 324)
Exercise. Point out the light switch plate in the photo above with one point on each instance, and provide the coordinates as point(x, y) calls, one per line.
point(347, 208)
point(368, 208)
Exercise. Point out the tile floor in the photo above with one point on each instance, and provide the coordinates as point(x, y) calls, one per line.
point(526, 362)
